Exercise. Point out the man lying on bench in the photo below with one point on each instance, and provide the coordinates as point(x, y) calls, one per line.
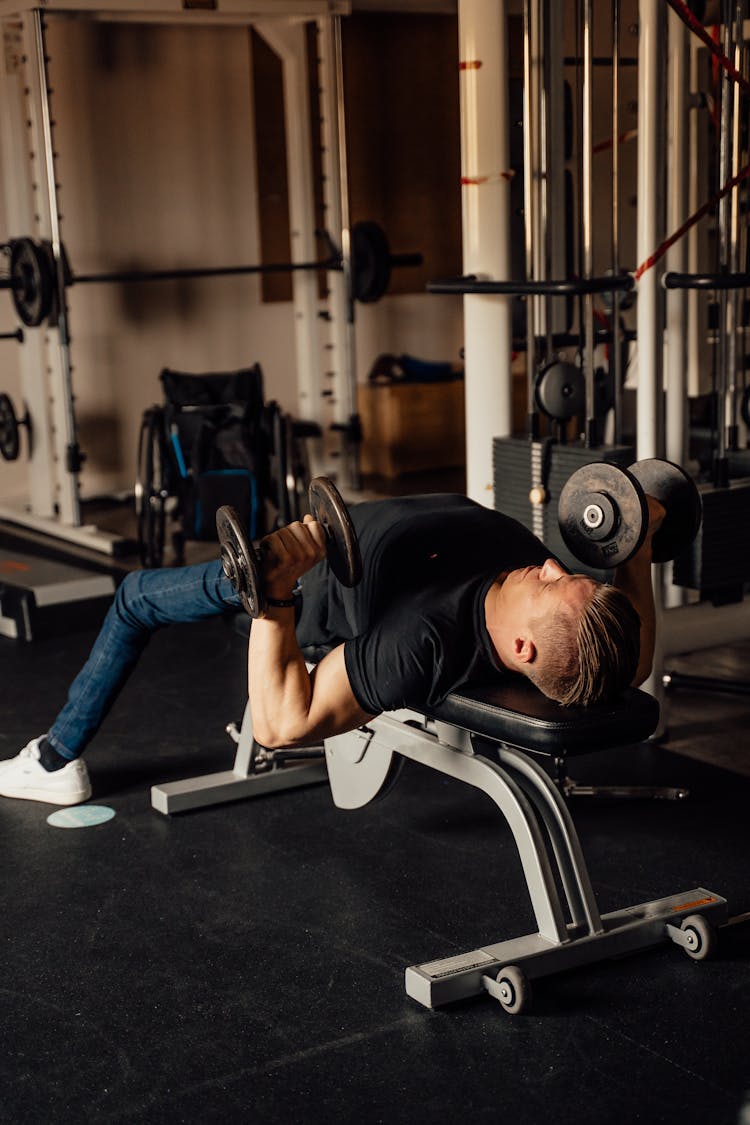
point(452, 593)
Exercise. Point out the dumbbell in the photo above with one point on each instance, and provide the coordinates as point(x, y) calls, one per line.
point(242, 562)
point(603, 513)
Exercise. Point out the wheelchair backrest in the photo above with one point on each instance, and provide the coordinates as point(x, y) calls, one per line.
point(214, 420)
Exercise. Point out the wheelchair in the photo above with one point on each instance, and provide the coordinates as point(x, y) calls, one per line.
point(215, 441)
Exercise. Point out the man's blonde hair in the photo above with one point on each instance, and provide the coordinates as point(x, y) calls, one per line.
point(588, 657)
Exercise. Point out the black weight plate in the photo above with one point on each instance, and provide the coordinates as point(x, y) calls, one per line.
point(32, 281)
point(620, 499)
point(9, 444)
point(560, 391)
point(150, 489)
point(677, 493)
point(240, 561)
point(342, 545)
point(745, 406)
point(370, 262)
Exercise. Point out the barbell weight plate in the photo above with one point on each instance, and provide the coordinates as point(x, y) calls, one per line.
point(676, 491)
point(240, 561)
point(370, 262)
point(603, 515)
point(32, 281)
point(9, 443)
point(342, 545)
point(560, 391)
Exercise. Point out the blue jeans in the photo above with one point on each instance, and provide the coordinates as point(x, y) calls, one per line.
point(146, 600)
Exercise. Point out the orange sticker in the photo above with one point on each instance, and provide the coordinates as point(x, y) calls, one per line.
point(472, 64)
point(691, 905)
point(11, 566)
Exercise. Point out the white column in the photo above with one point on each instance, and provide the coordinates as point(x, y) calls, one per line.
point(287, 39)
point(485, 198)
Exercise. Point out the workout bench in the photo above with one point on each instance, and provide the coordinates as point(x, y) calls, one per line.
point(514, 724)
point(511, 721)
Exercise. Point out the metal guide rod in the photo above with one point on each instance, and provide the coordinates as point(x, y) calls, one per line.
point(545, 170)
point(732, 298)
point(678, 172)
point(724, 164)
point(587, 217)
point(529, 173)
point(616, 350)
point(649, 227)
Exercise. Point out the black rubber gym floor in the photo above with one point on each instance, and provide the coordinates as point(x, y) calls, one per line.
point(245, 963)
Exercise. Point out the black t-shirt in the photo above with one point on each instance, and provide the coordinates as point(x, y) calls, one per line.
point(414, 628)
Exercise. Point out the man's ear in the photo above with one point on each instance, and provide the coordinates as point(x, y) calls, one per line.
point(524, 650)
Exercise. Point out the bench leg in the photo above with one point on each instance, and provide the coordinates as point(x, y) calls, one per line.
point(255, 773)
point(550, 853)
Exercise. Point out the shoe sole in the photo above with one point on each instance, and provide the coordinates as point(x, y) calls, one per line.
point(48, 798)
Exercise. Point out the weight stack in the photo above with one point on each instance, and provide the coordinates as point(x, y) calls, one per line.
point(718, 562)
point(520, 465)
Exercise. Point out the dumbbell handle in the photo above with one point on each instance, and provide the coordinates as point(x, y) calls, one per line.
point(242, 562)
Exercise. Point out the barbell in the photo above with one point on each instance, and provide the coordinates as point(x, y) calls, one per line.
point(603, 511)
point(242, 562)
point(33, 283)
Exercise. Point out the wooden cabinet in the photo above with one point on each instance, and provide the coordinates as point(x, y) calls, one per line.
point(412, 427)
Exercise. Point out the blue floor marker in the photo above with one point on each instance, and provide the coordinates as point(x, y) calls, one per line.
point(82, 816)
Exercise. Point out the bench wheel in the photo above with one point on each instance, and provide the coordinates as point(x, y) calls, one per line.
point(514, 990)
point(700, 935)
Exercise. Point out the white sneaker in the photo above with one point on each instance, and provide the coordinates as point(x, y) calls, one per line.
point(25, 777)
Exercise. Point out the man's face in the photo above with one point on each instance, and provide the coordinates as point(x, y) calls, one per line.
point(537, 591)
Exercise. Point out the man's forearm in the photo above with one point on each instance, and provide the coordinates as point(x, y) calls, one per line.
point(278, 681)
point(634, 578)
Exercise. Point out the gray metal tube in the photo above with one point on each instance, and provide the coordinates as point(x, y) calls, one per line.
point(616, 341)
point(587, 214)
point(530, 171)
point(649, 229)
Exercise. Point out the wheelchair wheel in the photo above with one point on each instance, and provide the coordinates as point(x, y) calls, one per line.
point(290, 470)
point(151, 489)
point(299, 434)
point(285, 495)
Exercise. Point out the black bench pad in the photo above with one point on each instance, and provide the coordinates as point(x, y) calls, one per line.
point(516, 712)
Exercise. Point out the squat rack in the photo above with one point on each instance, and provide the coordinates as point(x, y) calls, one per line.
point(27, 154)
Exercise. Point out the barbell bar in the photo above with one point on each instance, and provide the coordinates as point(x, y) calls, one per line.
point(32, 272)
